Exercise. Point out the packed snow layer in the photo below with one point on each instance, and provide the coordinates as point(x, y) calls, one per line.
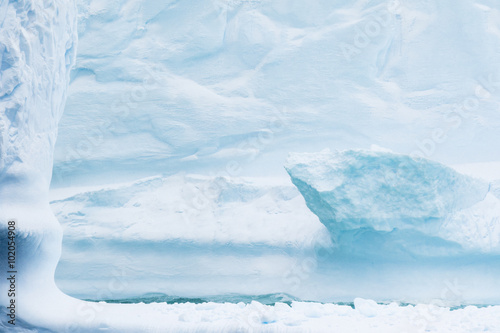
point(164, 86)
point(489, 171)
point(300, 317)
point(415, 205)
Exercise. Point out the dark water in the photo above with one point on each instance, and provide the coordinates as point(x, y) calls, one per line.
point(268, 299)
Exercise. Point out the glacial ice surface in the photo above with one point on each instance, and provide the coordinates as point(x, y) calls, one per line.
point(420, 206)
point(251, 81)
point(244, 83)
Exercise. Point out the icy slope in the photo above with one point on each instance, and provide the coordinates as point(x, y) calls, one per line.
point(414, 205)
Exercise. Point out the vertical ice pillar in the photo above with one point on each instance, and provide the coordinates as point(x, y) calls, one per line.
point(37, 50)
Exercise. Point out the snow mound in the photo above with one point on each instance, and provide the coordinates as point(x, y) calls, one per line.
point(397, 201)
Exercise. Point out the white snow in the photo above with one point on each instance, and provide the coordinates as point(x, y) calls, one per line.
point(367, 316)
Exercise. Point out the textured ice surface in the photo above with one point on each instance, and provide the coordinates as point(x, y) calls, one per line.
point(368, 198)
point(228, 92)
point(183, 235)
point(230, 87)
point(37, 51)
point(164, 86)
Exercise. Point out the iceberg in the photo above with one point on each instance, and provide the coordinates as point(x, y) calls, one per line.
point(231, 89)
point(332, 243)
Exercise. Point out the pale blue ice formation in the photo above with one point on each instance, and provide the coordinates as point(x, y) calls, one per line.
point(181, 114)
point(386, 203)
point(168, 168)
point(165, 86)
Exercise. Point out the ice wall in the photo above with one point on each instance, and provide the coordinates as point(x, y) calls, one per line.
point(169, 86)
point(394, 228)
point(229, 88)
point(37, 51)
point(186, 235)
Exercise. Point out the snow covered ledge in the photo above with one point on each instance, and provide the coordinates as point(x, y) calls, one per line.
point(37, 50)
